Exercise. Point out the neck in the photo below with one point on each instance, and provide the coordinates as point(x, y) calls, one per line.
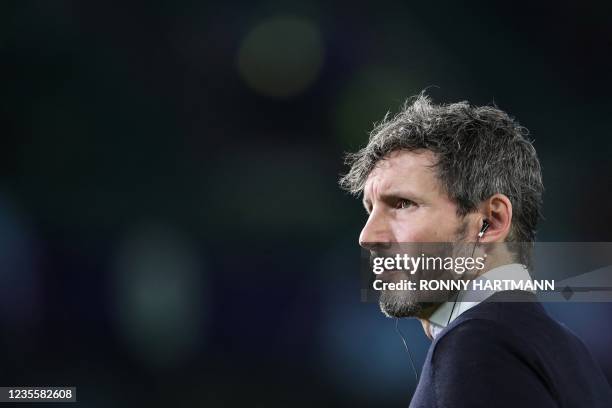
point(426, 328)
point(494, 260)
point(424, 316)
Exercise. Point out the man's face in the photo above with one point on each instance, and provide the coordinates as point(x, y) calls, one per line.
point(407, 204)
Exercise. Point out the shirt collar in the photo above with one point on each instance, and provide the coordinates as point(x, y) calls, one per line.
point(450, 310)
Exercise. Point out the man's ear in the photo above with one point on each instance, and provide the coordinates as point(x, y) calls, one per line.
point(497, 210)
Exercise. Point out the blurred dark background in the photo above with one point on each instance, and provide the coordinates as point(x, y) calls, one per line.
point(171, 231)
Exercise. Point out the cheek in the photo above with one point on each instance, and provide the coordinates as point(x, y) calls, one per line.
point(425, 226)
point(415, 227)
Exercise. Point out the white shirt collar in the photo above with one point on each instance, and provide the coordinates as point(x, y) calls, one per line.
point(450, 310)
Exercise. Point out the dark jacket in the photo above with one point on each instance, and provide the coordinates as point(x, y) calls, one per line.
point(510, 354)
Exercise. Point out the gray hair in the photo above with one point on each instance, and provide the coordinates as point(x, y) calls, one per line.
point(480, 151)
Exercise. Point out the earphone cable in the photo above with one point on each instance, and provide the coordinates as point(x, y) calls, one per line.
point(399, 332)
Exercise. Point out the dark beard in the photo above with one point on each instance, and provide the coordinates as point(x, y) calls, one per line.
point(418, 303)
point(393, 307)
point(411, 304)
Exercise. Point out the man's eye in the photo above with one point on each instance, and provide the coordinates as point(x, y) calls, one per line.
point(401, 204)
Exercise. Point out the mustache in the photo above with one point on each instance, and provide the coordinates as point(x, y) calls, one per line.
point(412, 249)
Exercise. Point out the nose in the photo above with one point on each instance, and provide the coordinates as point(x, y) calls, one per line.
point(375, 232)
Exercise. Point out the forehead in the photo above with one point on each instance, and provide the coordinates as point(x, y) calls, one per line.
point(404, 169)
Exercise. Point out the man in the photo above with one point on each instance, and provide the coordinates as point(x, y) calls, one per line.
point(463, 174)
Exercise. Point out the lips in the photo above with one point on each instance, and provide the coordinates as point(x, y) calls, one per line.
point(392, 275)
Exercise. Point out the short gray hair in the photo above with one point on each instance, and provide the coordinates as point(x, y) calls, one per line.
point(480, 151)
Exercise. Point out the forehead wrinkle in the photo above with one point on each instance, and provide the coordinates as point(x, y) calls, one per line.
point(382, 179)
point(378, 185)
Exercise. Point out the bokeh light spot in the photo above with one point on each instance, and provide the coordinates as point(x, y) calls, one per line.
point(281, 56)
point(367, 97)
point(159, 296)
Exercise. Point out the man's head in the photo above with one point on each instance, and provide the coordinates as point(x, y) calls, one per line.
point(433, 173)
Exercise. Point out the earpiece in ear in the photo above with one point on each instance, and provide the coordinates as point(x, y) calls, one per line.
point(485, 227)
